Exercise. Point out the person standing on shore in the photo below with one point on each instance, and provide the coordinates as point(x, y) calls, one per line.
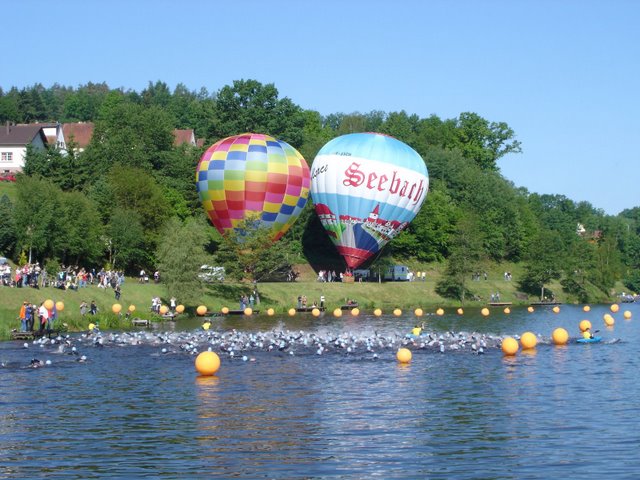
point(23, 317)
point(30, 316)
point(43, 316)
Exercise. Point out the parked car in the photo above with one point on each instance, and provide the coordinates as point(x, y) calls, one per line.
point(210, 273)
point(7, 177)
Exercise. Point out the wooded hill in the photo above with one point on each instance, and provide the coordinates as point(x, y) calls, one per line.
point(129, 200)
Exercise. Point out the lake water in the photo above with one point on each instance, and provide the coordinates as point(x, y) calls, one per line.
point(133, 411)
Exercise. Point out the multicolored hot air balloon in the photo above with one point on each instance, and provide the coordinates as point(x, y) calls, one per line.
point(366, 188)
point(253, 175)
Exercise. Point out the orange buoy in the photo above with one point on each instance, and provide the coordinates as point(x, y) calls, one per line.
point(510, 346)
point(403, 355)
point(207, 363)
point(560, 336)
point(528, 340)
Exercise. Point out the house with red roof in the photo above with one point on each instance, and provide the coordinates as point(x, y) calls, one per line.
point(184, 136)
point(79, 133)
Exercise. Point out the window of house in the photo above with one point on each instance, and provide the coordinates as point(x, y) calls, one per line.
point(7, 156)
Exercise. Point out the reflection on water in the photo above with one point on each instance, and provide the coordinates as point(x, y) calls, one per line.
point(132, 412)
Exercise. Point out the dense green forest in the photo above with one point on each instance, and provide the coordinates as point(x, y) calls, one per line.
point(129, 200)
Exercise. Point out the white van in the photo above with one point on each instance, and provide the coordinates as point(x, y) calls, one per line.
point(399, 273)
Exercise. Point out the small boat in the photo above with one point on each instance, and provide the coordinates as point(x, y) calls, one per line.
point(542, 304)
point(589, 340)
point(240, 312)
point(500, 304)
point(309, 309)
point(349, 306)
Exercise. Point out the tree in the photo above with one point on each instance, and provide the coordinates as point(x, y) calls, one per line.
point(133, 189)
point(180, 255)
point(7, 226)
point(37, 216)
point(485, 142)
point(124, 239)
point(466, 253)
point(249, 106)
point(429, 234)
point(314, 135)
point(129, 134)
point(544, 262)
point(248, 252)
point(80, 239)
point(607, 264)
point(66, 170)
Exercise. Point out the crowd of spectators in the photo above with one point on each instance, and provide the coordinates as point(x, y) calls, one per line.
point(32, 275)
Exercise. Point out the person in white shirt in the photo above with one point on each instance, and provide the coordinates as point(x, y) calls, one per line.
point(43, 316)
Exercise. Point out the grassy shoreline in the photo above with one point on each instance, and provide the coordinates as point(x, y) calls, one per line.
point(279, 296)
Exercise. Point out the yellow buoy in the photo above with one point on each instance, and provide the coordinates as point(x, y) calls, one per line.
point(270, 312)
point(164, 309)
point(404, 355)
point(223, 310)
point(531, 309)
point(59, 306)
point(609, 320)
point(485, 312)
point(132, 308)
point(584, 325)
point(180, 308)
point(377, 312)
point(207, 363)
point(460, 311)
point(556, 309)
point(248, 311)
point(315, 312)
point(355, 312)
point(586, 308)
point(560, 336)
point(627, 314)
point(510, 346)
point(201, 310)
point(528, 340)
point(440, 312)
point(116, 307)
point(615, 307)
point(418, 312)
point(292, 312)
point(337, 312)
point(397, 312)
point(48, 304)
point(507, 310)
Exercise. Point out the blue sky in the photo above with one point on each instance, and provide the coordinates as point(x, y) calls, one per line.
point(563, 74)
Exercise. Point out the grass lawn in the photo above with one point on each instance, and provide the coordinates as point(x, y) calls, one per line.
point(9, 189)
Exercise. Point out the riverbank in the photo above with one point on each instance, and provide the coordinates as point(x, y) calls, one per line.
point(279, 296)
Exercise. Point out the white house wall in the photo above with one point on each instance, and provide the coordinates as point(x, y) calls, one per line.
point(18, 153)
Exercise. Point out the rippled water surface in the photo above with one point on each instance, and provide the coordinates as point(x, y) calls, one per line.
point(133, 411)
